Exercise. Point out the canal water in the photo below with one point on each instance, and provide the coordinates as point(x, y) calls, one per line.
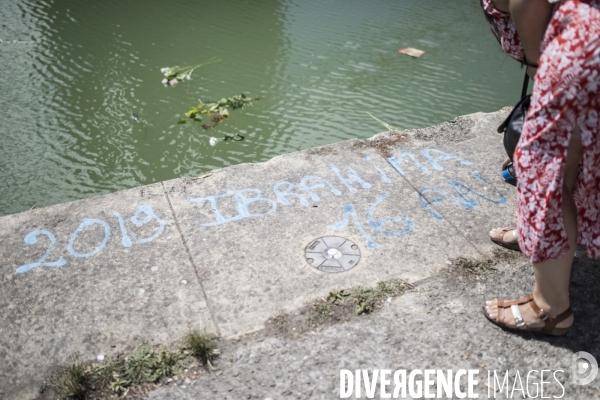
point(83, 110)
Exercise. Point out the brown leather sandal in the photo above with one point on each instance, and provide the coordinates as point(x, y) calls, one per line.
point(499, 240)
point(551, 322)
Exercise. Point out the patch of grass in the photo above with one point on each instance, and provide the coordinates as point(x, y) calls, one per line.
point(500, 254)
point(149, 365)
point(320, 312)
point(338, 306)
point(201, 345)
point(338, 296)
point(487, 264)
point(144, 365)
point(323, 309)
point(365, 300)
point(75, 383)
point(102, 373)
point(475, 266)
point(119, 385)
point(393, 288)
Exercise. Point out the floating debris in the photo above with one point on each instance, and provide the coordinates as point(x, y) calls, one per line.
point(411, 51)
point(173, 75)
point(388, 126)
point(202, 176)
point(236, 138)
point(218, 110)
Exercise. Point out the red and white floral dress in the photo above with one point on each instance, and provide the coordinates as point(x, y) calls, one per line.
point(566, 93)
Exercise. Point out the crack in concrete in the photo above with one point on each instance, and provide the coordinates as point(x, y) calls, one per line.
point(187, 250)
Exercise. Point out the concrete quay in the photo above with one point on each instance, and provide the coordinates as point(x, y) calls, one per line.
point(227, 251)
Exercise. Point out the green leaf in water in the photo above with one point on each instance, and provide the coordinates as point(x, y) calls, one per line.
point(193, 111)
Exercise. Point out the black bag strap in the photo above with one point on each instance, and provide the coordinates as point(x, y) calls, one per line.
point(525, 85)
point(504, 125)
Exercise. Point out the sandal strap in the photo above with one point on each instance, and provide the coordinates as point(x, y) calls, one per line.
point(503, 233)
point(522, 300)
point(519, 321)
point(504, 304)
point(550, 322)
point(541, 314)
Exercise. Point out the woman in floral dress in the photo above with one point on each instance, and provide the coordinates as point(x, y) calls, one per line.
point(557, 160)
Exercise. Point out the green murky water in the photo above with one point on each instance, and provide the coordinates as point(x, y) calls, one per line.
point(74, 72)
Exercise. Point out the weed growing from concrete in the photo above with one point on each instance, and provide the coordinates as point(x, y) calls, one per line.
point(321, 312)
point(75, 383)
point(149, 365)
point(499, 254)
point(103, 373)
point(339, 305)
point(393, 288)
point(200, 345)
point(486, 265)
point(474, 266)
point(364, 300)
point(338, 296)
point(144, 365)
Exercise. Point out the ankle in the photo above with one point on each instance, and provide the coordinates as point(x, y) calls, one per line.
point(552, 307)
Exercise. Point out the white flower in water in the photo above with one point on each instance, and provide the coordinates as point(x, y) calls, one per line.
point(173, 82)
point(165, 81)
point(213, 141)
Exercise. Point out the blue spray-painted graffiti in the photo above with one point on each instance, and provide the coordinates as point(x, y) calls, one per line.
point(283, 194)
point(31, 238)
point(350, 211)
point(144, 209)
point(445, 156)
point(282, 191)
point(384, 177)
point(287, 193)
point(352, 177)
point(251, 203)
point(310, 189)
point(84, 223)
point(396, 161)
point(126, 240)
point(428, 153)
point(242, 205)
point(463, 199)
point(377, 225)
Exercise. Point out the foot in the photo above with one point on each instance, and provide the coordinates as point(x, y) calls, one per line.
point(505, 237)
point(530, 317)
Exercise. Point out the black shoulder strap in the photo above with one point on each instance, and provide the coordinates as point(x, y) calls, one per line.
point(525, 85)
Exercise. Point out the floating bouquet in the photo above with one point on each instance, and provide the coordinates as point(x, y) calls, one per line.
point(218, 110)
point(175, 74)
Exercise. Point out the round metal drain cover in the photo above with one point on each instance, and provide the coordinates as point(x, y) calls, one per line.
point(332, 254)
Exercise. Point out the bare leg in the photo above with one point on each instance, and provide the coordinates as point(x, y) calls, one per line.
point(552, 278)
